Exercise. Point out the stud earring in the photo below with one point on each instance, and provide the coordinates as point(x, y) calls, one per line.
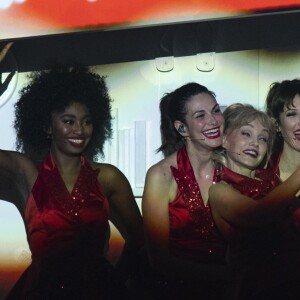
point(181, 129)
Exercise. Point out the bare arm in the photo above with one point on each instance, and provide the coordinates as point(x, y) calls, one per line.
point(230, 206)
point(5, 50)
point(17, 173)
point(4, 85)
point(125, 215)
point(17, 176)
point(159, 188)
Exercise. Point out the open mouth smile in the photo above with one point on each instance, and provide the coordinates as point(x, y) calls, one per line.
point(212, 133)
point(252, 153)
point(78, 143)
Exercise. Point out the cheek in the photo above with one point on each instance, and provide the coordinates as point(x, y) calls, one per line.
point(220, 119)
point(89, 130)
point(264, 149)
point(59, 131)
point(286, 124)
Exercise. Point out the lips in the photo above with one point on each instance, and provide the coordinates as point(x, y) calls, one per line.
point(251, 152)
point(77, 143)
point(297, 134)
point(212, 133)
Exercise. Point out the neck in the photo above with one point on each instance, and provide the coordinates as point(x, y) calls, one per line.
point(289, 160)
point(66, 163)
point(201, 162)
point(240, 169)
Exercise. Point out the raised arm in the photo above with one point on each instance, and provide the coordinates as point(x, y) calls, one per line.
point(230, 206)
point(17, 176)
point(159, 188)
point(4, 85)
point(17, 173)
point(4, 51)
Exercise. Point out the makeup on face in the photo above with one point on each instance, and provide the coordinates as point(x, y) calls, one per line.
point(71, 129)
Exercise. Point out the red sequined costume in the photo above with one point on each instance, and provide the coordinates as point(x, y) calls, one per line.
point(274, 166)
point(262, 257)
point(193, 233)
point(67, 235)
point(193, 236)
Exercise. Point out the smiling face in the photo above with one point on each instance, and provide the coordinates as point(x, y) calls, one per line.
point(204, 121)
point(71, 130)
point(246, 147)
point(289, 126)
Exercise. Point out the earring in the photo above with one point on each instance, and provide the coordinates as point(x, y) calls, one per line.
point(277, 128)
point(181, 129)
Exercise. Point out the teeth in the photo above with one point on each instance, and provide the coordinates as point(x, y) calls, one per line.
point(251, 152)
point(211, 131)
point(76, 141)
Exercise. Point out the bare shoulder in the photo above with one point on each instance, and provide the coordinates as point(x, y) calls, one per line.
point(111, 178)
point(221, 193)
point(107, 171)
point(218, 187)
point(161, 171)
point(160, 184)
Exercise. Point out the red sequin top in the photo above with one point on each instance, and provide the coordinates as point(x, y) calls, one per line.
point(253, 244)
point(193, 233)
point(67, 235)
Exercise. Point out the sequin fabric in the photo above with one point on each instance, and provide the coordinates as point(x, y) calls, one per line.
point(67, 234)
point(190, 192)
point(255, 188)
point(57, 191)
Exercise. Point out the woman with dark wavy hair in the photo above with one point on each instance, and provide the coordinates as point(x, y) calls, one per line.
point(63, 118)
point(185, 248)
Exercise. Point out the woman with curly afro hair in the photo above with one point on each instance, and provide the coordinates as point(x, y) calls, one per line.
point(63, 118)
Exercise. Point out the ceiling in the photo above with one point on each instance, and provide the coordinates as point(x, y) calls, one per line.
point(278, 30)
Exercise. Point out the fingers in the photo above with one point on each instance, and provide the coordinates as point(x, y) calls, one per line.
point(5, 50)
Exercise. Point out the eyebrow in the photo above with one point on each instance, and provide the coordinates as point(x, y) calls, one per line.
point(202, 110)
point(73, 116)
point(265, 129)
point(292, 108)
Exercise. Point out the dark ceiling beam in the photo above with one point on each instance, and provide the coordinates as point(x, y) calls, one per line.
point(182, 39)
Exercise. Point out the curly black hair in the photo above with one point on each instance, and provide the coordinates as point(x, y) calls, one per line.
point(54, 90)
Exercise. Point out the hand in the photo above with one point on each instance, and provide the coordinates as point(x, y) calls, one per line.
point(5, 50)
point(4, 85)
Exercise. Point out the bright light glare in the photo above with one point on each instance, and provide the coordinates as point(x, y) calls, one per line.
point(4, 4)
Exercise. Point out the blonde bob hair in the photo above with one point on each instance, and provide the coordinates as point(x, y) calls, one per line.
point(237, 115)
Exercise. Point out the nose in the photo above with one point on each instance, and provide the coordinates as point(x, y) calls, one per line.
point(78, 127)
point(254, 141)
point(213, 120)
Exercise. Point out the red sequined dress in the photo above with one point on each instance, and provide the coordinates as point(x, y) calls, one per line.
point(262, 257)
point(274, 166)
point(67, 234)
point(193, 233)
point(193, 236)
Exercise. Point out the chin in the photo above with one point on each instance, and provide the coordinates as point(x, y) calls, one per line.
point(215, 144)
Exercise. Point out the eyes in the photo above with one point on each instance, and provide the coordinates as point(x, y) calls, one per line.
point(72, 121)
point(202, 114)
point(291, 113)
point(249, 134)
